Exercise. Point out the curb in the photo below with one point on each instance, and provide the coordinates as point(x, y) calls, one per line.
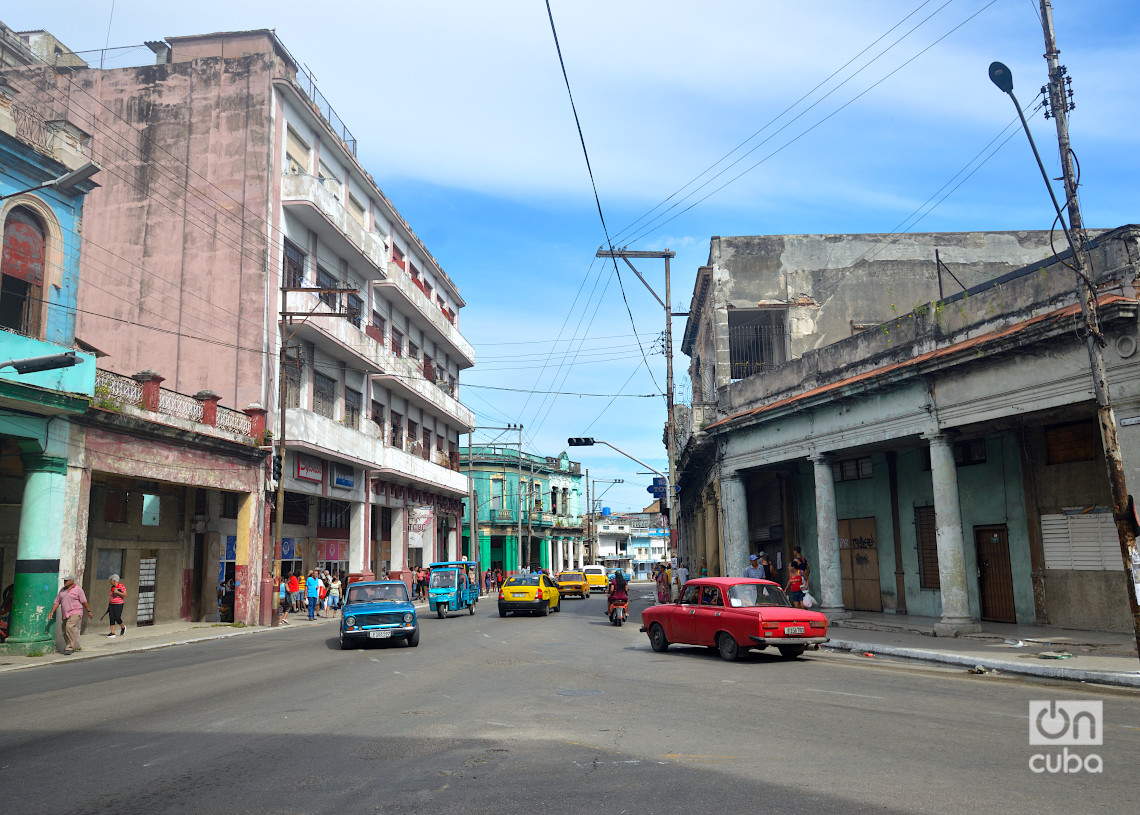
point(1116, 678)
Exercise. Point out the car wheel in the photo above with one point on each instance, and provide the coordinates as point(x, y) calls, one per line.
point(657, 639)
point(791, 651)
point(544, 610)
point(502, 613)
point(413, 639)
point(728, 647)
point(344, 644)
point(559, 606)
point(441, 610)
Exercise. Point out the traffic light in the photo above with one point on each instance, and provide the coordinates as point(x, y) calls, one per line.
point(580, 442)
point(277, 468)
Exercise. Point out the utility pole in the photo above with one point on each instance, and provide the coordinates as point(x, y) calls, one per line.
point(589, 553)
point(670, 436)
point(1060, 103)
point(519, 502)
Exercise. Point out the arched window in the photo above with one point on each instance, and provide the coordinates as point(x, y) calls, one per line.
point(22, 268)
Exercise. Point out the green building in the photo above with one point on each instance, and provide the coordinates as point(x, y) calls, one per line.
point(548, 532)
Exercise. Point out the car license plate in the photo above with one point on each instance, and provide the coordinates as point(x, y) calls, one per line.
point(518, 594)
point(793, 630)
point(382, 635)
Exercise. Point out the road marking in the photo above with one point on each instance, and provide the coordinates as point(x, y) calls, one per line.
point(841, 693)
point(502, 724)
point(488, 636)
point(445, 696)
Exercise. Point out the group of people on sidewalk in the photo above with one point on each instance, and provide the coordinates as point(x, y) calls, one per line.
point(72, 602)
point(319, 595)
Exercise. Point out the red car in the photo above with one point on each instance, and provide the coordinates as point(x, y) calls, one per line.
point(734, 613)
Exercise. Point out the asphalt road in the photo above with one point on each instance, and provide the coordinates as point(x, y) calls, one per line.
point(562, 714)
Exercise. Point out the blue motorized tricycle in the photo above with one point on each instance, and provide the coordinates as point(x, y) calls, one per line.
point(453, 585)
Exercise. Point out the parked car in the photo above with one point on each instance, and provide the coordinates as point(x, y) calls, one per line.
point(596, 577)
point(378, 610)
point(733, 614)
point(573, 584)
point(534, 592)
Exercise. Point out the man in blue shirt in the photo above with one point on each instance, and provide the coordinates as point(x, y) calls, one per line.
point(312, 592)
point(754, 569)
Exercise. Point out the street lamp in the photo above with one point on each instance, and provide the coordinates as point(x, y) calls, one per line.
point(52, 361)
point(63, 183)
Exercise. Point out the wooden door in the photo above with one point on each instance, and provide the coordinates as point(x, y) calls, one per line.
point(995, 578)
point(859, 564)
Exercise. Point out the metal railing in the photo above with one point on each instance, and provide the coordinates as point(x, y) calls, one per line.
point(309, 87)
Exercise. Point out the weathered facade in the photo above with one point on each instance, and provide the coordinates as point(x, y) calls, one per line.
point(529, 510)
point(944, 463)
point(40, 446)
point(238, 245)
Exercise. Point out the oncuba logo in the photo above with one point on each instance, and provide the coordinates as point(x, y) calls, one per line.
point(1066, 724)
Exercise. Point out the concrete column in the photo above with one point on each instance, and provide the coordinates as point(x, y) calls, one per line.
point(37, 554)
point(358, 531)
point(951, 558)
point(453, 552)
point(827, 538)
point(399, 562)
point(734, 524)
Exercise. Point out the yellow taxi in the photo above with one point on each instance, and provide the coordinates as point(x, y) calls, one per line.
point(573, 584)
point(596, 577)
point(535, 593)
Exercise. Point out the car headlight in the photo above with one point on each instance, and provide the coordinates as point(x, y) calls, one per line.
point(409, 617)
point(350, 622)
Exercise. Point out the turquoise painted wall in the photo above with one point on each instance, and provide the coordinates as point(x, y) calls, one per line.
point(989, 494)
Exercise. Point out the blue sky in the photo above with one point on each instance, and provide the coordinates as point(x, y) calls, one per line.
point(462, 117)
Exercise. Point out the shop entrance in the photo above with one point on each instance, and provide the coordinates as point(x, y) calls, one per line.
point(995, 578)
point(859, 563)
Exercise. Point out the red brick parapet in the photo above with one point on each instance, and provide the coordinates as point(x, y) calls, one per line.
point(151, 385)
point(256, 414)
point(209, 401)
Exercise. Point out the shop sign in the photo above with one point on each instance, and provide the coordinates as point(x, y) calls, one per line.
point(343, 476)
point(310, 468)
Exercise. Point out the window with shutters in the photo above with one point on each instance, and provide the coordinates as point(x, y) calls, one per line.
point(324, 395)
point(426, 446)
point(413, 435)
point(413, 350)
point(22, 267)
point(397, 342)
point(229, 505)
point(377, 416)
point(1068, 443)
point(397, 429)
point(355, 308)
point(294, 266)
point(296, 508)
point(332, 514)
point(327, 281)
point(297, 153)
point(292, 375)
point(852, 469)
point(380, 324)
point(353, 402)
point(926, 533)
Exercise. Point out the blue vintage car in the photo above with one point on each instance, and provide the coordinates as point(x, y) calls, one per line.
point(378, 610)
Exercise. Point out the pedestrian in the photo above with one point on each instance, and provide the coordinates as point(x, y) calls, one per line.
point(424, 574)
point(294, 592)
point(115, 606)
point(312, 593)
point(487, 582)
point(754, 569)
point(334, 594)
point(795, 587)
point(704, 568)
point(800, 562)
point(283, 603)
point(682, 573)
point(73, 602)
point(769, 569)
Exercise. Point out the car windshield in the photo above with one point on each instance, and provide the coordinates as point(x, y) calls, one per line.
point(393, 592)
point(523, 580)
point(571, 576)
point(755, 594)
point(442, 579)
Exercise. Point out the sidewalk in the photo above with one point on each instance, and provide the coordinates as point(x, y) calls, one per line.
point(1046, 652)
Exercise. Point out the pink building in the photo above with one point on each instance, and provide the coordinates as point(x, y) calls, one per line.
point(230, 191)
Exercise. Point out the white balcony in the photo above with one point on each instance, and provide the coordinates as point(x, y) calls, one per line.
point(308, 431)
point(319, 208)
point(342, 340)
point(318, 205)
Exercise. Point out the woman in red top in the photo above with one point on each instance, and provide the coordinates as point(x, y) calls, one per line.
point(795, 587)
point(115, 606)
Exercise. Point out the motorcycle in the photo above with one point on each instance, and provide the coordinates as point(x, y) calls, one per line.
point(619, 612)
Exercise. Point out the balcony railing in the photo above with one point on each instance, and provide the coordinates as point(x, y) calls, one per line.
point(115, 390)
